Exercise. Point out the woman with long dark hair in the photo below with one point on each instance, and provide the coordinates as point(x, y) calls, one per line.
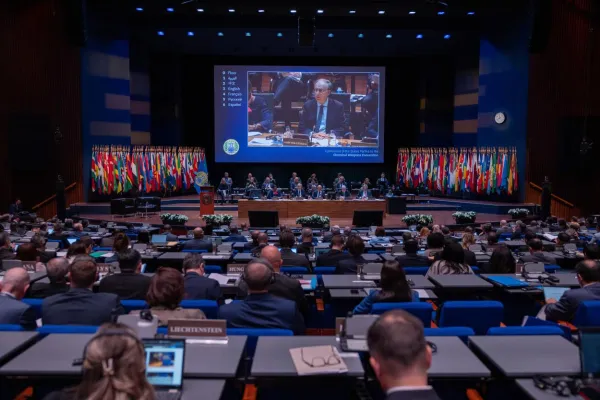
point(502, 261)
point(394, 289)
point(452, 261)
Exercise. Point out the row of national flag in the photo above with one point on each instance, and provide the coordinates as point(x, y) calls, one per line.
point(475, 170)
point(119, 169)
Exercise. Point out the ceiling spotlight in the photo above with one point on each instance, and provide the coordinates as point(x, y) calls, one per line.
point(388, 36)
point(220, 34)
point(261, 11)
point(320, 11)
point(412, 12)
point(170, 9)
point(293, 11)
point(360, 36)
point(232, 10)
point(352, 12)
point(190, 33)
point(279, 34)
point(419, 36)
point(441, 12)
point(446, 36)
point(200, 9)
point(160, 33)
point(330, 35)
point(139, 9)
point(248, 34)
point(381, 12)
point(471, 13)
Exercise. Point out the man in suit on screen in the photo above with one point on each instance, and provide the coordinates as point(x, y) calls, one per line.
point(322, 114)
point(260, 116)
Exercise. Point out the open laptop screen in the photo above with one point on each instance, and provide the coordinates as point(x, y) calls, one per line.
point(71, 240)
point(164, 362)
point(159, 238)
point(589, 351)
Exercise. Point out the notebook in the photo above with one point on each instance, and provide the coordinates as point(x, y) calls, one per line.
point(554, 292)
point(164, 366)
point(507, 281)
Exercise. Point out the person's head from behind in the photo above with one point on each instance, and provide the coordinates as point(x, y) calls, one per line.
point(588, 271)
point(15, 282)
point(83, 272)
point(38, 242)
point(88, 242)
point(436, 228)
point(492, 238)
point(27, 252)
point(130, 260)
point(307, 235)
point(411, 247)
point(257, 275)
point(467, 240)
point(380, 231)
point(263, 239)
point(453, 253)
point(394, 283)
point(337, 242)
point(254, 237)
point(502, 261)
point(121, 243)
point(406, 236)
point(535, 245)
point(4, 240)
point(78, 227)
point(486, 228)
point(57, 269)
point(77, 249)
point(562, 238)
point(435, 240)
point(355, 245)
point(233, 230)
point(424, 232)
point(244, 226)
point(273, 256)
point(58, 228)
point(562, 224)
point(347, 231)
point(167, 228)
point(591, 252)
point(198, 233)
point(529, 235)
point(335, 229)
point(399, 353)
point(287, 239)
point(166, 289)
point(193, 262)
point(143, 237)
point(503, 223)
point(114, 366)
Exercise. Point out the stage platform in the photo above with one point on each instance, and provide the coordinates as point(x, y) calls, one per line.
point(440, 208)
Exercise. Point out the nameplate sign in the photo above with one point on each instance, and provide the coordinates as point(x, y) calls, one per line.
point(235, 269)
point(363, 144)
point(296, 141)
point(197, 328)
point(103, 268)
point(29, 266)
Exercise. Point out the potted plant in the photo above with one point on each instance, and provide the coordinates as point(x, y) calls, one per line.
point(464, 217)
point(174, 219)
point(518, 212)
point(217, 219)
point(418, 219)
point(313, 221)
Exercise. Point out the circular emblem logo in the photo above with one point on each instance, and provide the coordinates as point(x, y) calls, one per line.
point(201, 178)
point(231, 146)
point(206, 199)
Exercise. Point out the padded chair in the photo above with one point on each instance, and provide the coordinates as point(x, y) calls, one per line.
point(193, 251)
point(254, 334)
point(420, 310)
point(324, 270)
point(36, 304)
point(294, 270)
point(131, 305)
point(462, 332)
point(551, 269)
point(47, 329)
point(587, 314)
point(210, 307)
point(479, 315)
point(525, 330)
point(11, 328)
point(416, 270)
point(213, 269)
point(100, 248)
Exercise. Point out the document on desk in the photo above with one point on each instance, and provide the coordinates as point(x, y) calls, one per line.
point(549, 237)
point(318, 360)
point(254, 133)
point(222, 279)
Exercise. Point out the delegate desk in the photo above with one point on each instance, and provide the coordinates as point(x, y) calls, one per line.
point(11, 343)
point(565, 280)
point(454, 359)
point(526, 356)
point(353, 282)
point(460, 282)
point(300, 208)
point(53, 356)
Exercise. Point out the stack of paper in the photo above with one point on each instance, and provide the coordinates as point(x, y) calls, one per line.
point(318, 360)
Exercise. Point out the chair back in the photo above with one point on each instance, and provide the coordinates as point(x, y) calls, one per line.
point(462, 332)
point(587, 314)
point(47, 329)
point(416, 270)
point(525, 330)
point(420, 310)
point(131, 305)
point(209, 307)
point(253, 335)
point(294, 270)
point(475, 248)
point(11, 328)
point(324, 270)
point(193, 251)
point(478, 315)
point(213, 269)
point(36, 304)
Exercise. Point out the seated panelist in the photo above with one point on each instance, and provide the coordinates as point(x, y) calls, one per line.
point(260, 116)
point(322, 114)
point(364, 193)
point(318, 193)
point(273, 192)
point(344, 193)
point(299, 191)
point(267, 185)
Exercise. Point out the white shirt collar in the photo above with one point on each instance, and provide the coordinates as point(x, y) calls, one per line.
point(324, 104)
point(407, 389)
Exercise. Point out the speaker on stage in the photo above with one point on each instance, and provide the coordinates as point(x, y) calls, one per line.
point(61, 207)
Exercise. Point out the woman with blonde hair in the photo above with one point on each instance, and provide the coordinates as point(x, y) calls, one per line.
point(114, 368)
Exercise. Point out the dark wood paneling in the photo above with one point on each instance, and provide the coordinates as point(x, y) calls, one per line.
point(40, 72)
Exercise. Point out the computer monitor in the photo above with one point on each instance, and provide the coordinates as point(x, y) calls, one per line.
point(321, 250)
point(158, 239)
point(589, 352)
point(164, 362)
point(71, 240)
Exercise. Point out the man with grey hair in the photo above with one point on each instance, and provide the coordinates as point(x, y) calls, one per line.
point(323, 115)
point(12, 309)
point(261, 309)
point(307, 241)
point(57, 269)
point(6, 251)
point(40, 245)
point(197, 286)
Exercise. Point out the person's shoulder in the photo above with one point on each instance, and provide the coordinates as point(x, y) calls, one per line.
point(106, 297)
point(287, 281)
point(337, 103)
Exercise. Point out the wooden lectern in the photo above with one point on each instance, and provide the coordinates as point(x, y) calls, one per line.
point(207, 200)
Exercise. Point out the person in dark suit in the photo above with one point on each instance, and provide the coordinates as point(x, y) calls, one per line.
point(12, 309)
point(16, 207)
point(273, 192)
point(267, 185)
point(260, 116)
point(263, 241)
point(537, 254)
point(322, 114)
point(253, 242)
point(356, 247)
point(344, 193)
point(293, 181)
point(307, 242)
point(400, 356)
point(299, 191)
point(167, 231)
point(364, 193)
point(261, 309)
point(563, 309)
point(130, 284)
point(6, 251)
point(282, 285)
point(197, 286)
point(318, 193)
point(198, 242)
point(57, 270)
point(40, 246)
point(287, 241)
point(234, 235)
point(81, 306)
point(58, 234)
point(382, 183)
point(411, 258)
point(335, 255)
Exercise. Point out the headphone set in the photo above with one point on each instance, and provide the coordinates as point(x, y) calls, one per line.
point(562, 386)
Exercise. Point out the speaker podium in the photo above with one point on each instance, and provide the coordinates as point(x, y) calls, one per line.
point(207, 200)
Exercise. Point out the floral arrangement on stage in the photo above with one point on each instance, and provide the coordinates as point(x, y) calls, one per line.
point(314, 221)
point(217, 219)
point(174, 219)
point(418, 219)
point(464, 217)
point(518, 212)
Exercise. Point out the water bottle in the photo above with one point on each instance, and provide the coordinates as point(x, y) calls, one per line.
point(214, 246)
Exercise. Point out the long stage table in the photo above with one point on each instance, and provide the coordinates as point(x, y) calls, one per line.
point(301, 208)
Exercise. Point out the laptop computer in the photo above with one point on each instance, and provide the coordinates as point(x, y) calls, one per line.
point(553, 292)
point(71, 240)
point(164, 366)
point(321, 250)
point(159, 240)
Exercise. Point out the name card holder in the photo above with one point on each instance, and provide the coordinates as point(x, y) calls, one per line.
point(235, 269)
point(303, 140)
point(104, 268)
point(206, 331)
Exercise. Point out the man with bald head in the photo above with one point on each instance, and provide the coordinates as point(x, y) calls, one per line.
point(57, 269)
point(12, 309)
point(261, 309)
point(281, 285)
point(262, 241)
point(198, 242)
